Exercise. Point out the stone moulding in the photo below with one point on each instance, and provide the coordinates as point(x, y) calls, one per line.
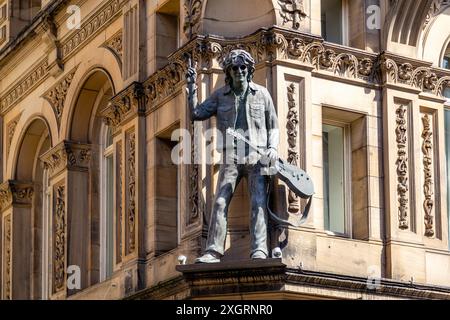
point(67, 155)
point(91, 27)
point(15, 193)
point(24, 86)
point(268, 46)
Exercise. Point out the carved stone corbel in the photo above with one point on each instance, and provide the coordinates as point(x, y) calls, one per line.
point(67, 155)
point(50, 38)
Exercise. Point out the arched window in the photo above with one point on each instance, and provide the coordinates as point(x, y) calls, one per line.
point(107, 206)
point(446, 65)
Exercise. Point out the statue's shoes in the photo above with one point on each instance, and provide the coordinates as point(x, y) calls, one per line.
point(259, 255)
point(208, 258)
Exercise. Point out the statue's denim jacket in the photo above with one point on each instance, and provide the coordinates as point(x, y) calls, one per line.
point(261, 116)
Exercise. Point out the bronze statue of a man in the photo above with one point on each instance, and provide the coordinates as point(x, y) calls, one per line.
point(246, 107)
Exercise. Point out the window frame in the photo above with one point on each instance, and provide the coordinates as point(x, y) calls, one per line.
point(107, 152)
point(347, 177)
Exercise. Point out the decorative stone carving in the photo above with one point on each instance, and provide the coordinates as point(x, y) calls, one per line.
point(427, 151)
point(437, 6)
point(7, 247)
point(193, 12)
point(70, 155)
point(56, 96)
point(114, 44)
point(292, 133)
point(91, 27)
point(196, 203)
point(422, 77)
point(11, 129)
point(292, 11)
point(59, 244)
point(119, 213)
point(402, 166)
point(131, 189)
point(22, 87)
point(15, 193)
point(130, 101)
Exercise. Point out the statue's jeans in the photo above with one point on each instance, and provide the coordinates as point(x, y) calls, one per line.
point(229, 176)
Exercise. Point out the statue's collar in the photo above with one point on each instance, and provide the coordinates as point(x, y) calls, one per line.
point(251, 85)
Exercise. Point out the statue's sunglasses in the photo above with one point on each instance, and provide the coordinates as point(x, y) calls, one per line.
point(237, 67)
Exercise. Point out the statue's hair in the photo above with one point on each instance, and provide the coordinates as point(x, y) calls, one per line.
point(234, 57)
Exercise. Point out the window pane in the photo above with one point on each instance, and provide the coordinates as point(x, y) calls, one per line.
point(109, 138)
point(447, 153)
point(446, 62)
point(333, 178)
point(109, 215)
point(331, 12)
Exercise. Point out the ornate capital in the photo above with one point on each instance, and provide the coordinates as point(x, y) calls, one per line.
point(67, 155)
point(15, 193)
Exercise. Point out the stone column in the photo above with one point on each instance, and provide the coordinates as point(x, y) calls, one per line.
point(15, 203)
point(68, 165)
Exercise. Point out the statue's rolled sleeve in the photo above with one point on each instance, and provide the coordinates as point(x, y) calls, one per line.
point(205, 110)
point(271, 123)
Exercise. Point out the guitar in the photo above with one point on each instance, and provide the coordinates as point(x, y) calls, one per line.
point(296, 179)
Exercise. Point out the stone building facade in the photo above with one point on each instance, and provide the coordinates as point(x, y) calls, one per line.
point(88, 109)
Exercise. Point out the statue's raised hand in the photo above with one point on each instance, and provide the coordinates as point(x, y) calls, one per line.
point(191, 78)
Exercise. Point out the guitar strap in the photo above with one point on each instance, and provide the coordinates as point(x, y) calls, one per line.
point(283, 222)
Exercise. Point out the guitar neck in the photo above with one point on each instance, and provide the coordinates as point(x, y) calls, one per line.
point(250, 144)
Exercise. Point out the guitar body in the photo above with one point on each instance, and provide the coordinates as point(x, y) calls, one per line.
point(297, 180)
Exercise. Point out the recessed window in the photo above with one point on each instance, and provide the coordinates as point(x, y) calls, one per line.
point(334, 178)
point(334, 21)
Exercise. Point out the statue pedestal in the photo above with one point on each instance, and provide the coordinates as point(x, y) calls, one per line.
point(234, 277)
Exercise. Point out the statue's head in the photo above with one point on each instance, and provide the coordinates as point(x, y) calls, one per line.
point(237, 59)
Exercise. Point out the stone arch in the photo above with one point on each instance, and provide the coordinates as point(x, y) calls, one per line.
point(234, 18)
point(27, 174)
point(434, 40)
point(101, 61)
point(408, 23)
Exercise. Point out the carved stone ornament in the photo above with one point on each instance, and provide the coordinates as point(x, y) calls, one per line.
point(292, 11)
point(193, 12)
point(292, 134)
point(115, 45)
point(131, 189)
point(15, 193)
point(130, 101)
point(427, 151)
point(11, 129)
point(59, 244)
point(437, 6)
point(56, 96)
point(7, 247)
point(195, 199)
point(402, 166)
point(70, 155)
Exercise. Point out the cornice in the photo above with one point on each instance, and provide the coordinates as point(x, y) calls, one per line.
point(24, 86)
point(276, 46)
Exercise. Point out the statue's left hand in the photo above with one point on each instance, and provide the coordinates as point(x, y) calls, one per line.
point(272, 155)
